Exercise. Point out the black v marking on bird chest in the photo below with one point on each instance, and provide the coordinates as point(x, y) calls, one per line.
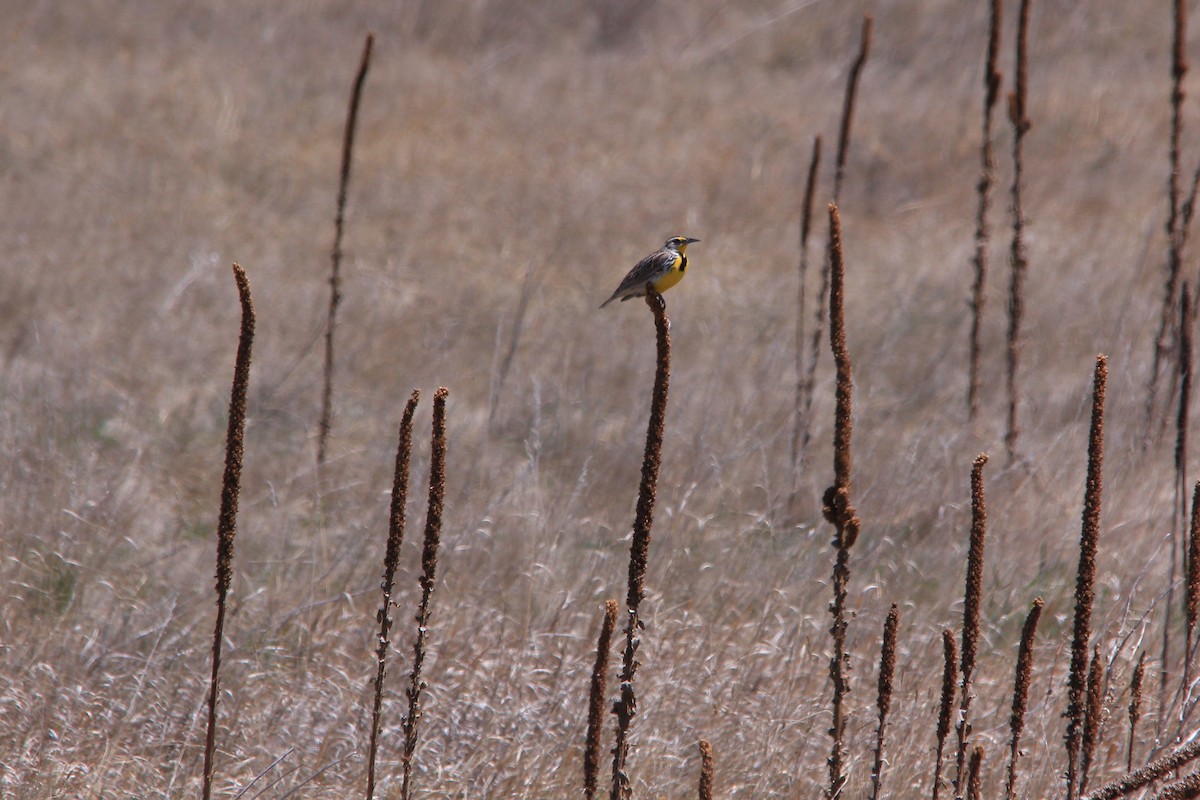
point(683, 264)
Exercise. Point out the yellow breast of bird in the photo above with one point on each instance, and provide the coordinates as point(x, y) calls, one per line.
point(671, 277)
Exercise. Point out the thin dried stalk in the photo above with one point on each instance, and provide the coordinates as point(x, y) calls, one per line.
point(972, 600)
point(987, 176)
point(335, 278)
point(883, 702)
point(804, 387)
point(227, 517)
point(1192, 605)
point(974, 775)
point(1017, 257)
point(390, 561)
point(1183, 789)
point(946, 705)
point(1020, 703)
point(626, 706)
point(1175, 230)
point(591, 753)
point(1085, 579)
point(1135, 705)
point(1092, 718)
point(706, 771)
point(428, 580)
point(1151, 772)
point(837, 507)
point(864, 49)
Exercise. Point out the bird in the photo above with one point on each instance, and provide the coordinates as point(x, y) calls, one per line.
point(663, 269)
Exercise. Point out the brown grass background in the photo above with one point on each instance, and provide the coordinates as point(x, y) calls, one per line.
point(146, 145)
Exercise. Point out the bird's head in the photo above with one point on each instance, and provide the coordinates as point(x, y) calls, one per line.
point(679, 243)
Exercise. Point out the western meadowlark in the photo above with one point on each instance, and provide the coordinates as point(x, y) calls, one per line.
point(663, 269)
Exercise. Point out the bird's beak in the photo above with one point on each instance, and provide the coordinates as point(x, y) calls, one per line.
point(691, 240)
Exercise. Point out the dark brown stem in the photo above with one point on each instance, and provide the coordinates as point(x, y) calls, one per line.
point(335, 278)
point(1092, 717)
point(1085, 580)
point(1151, 772)
point(987, 176)
point(1193, 584)
point(801, 430)
point(1016, 722)
point(390, 561)
point(1017, 257)
point(599, 688)
point(227, 517)
point(626, 706)
point(883, 702)
point(974, 775)
point(972, 600)
point(428, 580)
point(706, 771)
point(1135, 705)
point(946, 705)
point(1183, 789)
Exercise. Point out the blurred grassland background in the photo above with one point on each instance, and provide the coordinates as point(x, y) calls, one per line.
point(146, 145)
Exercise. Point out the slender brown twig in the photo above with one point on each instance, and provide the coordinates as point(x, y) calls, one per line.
point(843, 149)
point(591, 753)
point(1092, 717)
point(428, 580)
point(987, 176)
point(335, 276)
point(946, 705)
point(1135, 705)
point(390, 561)
point(1016, 722)
point(706, 771)
point(1175, 229)
point(974, 775)
point(883, 702)
point(1151, 772)
point(1185, 788)
point(626, 705)
point(1018, 259)
point(227, 517)
point(1085, 580)
point(972, 600)
point(803, 385)
point(837, 508)
point(1192, 605)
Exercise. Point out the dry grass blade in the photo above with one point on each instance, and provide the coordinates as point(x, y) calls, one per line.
point(1018, 259)
point(883, 702)
point(335, 277)
point(599, 684)
point(227, 518)
point(837, 507)
point(429, 556)
point(946, 704)
point(626, 706)
point(972, 600)
point(987, 176)
point(390, 560)
point(801, 429)
point(1085, 579)
point(1020, 703)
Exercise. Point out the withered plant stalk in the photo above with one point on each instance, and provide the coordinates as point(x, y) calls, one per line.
point(428, 580)
point(946, 704)
point(1017, 257)
point(391, 559)
point(227, 517)
point(626, 705)
point(883, 701)
point(1135, 705)
point(1185, 788)
point(599, 688)
point(864, 49)
point(706, 771)
point(972, 600)
point(1020, 703)
point(1085, 579)
point(987, 176)
point(1192, 606)
point(801, 427)
point(1180, 511)
point(1092, 717)
point(974, 775)
point(1175, 230)
point(335, 270)
point(1138, 779)
point(837, 507)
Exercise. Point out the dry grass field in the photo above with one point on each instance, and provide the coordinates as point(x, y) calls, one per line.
point(507, 150)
